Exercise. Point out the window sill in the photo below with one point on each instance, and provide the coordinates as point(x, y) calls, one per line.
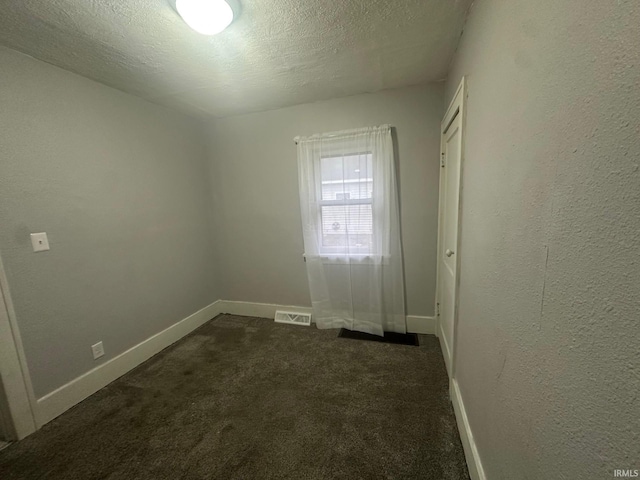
point(352, 259)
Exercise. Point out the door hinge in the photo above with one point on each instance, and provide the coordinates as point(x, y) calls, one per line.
point(442, 159)
point(437, 309)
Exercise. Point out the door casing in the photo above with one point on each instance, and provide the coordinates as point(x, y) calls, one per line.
point(17, 399)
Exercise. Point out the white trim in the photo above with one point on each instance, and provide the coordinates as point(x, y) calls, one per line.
point(18, 411)
point(65, 397)
point(357, 260)
point(446, 349)
point(424, 325)
point(476, 471)
point(456, 109)
point(262, 310)
point(415, 323)
point(456, 105)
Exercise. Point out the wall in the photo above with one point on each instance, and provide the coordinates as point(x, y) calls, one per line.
point(547, 350)
point(120, 186)
point(255, 183)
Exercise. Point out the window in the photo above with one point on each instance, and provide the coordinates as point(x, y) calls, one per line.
point(348, 197)
point(346, 214)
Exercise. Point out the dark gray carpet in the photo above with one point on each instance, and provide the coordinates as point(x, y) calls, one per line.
point(244, 398)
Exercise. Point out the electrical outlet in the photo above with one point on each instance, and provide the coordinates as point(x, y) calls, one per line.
point(98, 350)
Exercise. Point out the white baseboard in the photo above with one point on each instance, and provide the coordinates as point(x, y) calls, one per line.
point(476, 472)
point(415, 323)
point(262, 310)
point(60, 400)
point(446, 350)
point(424, 325)
point(65, 397)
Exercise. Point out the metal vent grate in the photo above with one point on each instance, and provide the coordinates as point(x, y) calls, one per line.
point(295, 318)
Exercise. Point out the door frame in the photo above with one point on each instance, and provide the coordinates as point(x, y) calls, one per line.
point(456, 109)
point(17, 399)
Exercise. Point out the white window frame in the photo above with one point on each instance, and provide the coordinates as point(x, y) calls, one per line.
point(335, 252)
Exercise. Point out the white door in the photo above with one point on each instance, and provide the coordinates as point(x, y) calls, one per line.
point(448, 255)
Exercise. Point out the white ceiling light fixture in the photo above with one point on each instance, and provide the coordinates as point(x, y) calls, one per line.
point(207, 17)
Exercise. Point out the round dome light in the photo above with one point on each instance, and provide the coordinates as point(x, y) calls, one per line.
point(207, 17)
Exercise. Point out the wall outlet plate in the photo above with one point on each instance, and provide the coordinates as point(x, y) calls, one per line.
point(39, 242)
point(98, 350)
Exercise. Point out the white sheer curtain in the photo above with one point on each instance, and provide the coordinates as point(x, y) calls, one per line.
point(351, 229)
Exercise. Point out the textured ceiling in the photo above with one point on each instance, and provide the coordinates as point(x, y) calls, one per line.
point(276, 53)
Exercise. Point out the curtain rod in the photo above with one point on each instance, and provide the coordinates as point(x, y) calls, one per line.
point(341, 133)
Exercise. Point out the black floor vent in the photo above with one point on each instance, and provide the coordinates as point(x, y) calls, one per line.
point(389, 337)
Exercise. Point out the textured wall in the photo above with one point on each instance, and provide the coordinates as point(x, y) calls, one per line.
point(120, 187)
point(255, 183)
point(548, 359)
